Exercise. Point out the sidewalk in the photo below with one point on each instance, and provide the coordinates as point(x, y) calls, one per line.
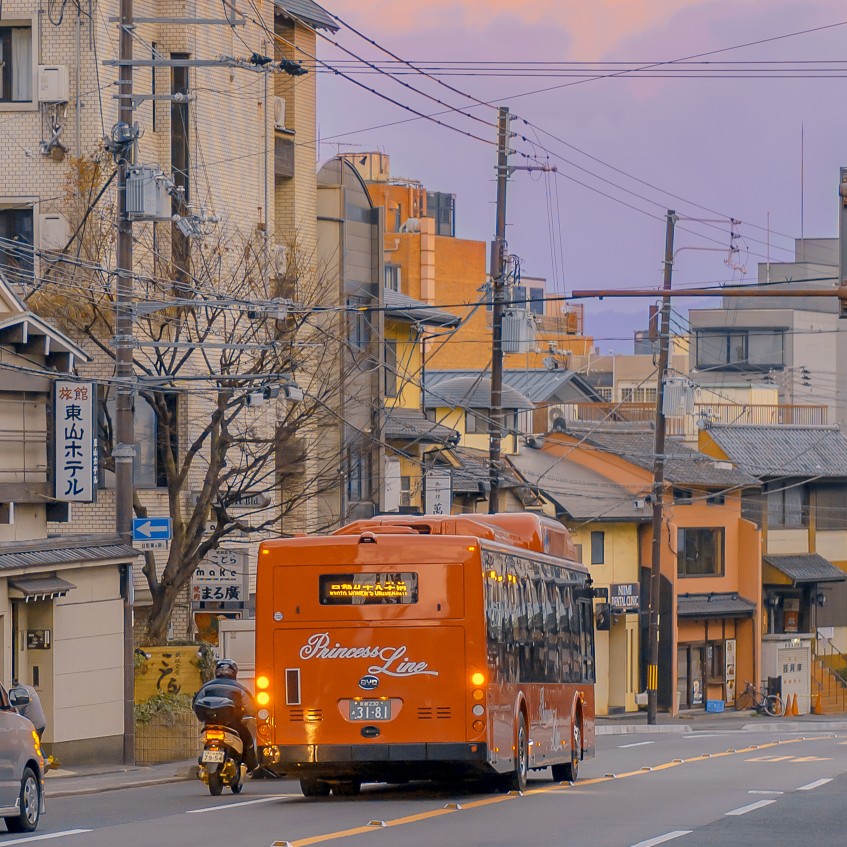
point(93, 779)
point(697, 721)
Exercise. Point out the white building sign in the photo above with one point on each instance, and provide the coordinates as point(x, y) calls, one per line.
point(222, 578)
point(75, 442)
point(439, 491)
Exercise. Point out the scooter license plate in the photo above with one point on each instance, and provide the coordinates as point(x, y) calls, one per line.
point(213, 755)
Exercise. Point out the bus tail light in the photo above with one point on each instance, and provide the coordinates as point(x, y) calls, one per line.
point(478, 710)
point(477, 679)
point(478, 726)
point(263, 714)
point(264, 731)
point(479, 694)
point(262, 682)
point(263, 698)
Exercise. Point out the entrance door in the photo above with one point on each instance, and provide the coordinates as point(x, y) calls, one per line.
point(690, 682)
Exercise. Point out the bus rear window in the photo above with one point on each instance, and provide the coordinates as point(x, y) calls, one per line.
point(360, 589)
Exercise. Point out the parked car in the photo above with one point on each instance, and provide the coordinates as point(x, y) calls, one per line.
point(21, 765)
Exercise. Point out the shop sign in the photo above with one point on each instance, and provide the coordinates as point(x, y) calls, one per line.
point(221, 578)
point(38, 639)
point(729, 670)
point(75, 442)
point(625, 597)
point(166, 670)
point(439, 491)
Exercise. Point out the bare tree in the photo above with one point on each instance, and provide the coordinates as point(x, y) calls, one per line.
point(238, 378)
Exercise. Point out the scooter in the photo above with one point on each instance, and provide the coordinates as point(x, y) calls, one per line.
point(222, 760)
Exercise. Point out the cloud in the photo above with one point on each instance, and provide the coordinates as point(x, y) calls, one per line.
point(594, 27)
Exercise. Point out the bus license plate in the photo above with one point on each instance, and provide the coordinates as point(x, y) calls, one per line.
point(213, 755)
point(370, 710)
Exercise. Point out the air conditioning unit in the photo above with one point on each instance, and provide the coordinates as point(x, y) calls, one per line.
point(556, 418)
point(53, 86)
point(279, 112)
point(54, 232)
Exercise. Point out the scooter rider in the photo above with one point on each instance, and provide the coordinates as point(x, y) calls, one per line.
point(226, 685)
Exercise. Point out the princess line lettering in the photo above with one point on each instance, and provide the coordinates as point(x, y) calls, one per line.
point(392, 659)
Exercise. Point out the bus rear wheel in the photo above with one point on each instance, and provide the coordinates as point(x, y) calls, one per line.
point(571, 769)
point(314, 787)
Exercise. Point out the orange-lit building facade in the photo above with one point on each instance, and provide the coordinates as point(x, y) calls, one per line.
point(425, 260)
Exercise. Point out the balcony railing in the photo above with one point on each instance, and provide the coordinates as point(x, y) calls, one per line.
point(720, 413)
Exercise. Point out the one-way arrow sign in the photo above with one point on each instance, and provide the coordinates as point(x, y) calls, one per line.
point(149, 529)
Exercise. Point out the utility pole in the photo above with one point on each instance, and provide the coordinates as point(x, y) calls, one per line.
point(498, 296)
point(124, 449)
point(659, 481)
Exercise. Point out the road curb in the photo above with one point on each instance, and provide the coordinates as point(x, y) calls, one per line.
point(628, 728)
point(50, 792)
point(798, 726)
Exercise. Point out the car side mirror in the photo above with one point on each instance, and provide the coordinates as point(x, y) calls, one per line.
point(19, 697)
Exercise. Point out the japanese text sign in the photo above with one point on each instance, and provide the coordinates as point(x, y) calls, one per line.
point(75, 442)
point(222, 577)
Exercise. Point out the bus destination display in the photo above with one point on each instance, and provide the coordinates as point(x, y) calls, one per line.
point(350, 589)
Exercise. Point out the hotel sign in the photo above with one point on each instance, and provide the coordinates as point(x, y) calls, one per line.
point(75, 442)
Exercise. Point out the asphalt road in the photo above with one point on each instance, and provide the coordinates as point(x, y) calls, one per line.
point(700, 789)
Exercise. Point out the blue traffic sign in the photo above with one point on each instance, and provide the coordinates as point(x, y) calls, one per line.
point(151, 529)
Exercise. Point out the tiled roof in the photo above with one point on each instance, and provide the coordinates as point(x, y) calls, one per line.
point(683, 466)
point(806, 567)
point(536, 384)
point(581, 492)
point(411, 425)
point(470, 392)
point(64, 550)
point(783, 450)
point(308, 12)
point(401, 306)
point(721, 605)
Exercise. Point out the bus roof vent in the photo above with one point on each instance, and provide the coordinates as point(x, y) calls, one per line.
point(367, 538)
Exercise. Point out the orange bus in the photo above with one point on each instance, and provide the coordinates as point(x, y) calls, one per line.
point(424, 647)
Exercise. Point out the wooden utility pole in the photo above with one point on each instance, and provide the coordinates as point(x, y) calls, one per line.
point(498, 296)
point(659, 482)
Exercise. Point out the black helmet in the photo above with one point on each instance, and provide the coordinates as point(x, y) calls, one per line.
point(226, 668)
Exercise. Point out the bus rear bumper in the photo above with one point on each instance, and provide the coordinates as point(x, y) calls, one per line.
point(421, 758)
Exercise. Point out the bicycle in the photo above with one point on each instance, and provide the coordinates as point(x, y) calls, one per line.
point(764, 704)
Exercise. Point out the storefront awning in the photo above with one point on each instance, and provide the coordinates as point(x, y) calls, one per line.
point(714, 605)
point(39, 588)
point(806, 567)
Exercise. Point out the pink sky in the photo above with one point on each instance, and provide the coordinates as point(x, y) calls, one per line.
point(730, 145)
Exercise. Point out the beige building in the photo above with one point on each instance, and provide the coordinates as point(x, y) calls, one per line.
point(237, 142)
point(61, 606)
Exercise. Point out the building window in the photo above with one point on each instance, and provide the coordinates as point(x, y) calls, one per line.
point(359, 330)
point(700, 552)
point(391, 368)
point(683, 496)
point(16, 64)
point(475, 423)
point(393, 277)
point(405, 492)
point(744, 350)
point(17, 239)
point(831, 506)
point(788, 505)
point(536, 301)
point(598, 548)
point(578, 552)
point(148, 465)
point(638, 395)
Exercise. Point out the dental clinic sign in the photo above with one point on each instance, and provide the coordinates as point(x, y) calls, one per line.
point(75, 443)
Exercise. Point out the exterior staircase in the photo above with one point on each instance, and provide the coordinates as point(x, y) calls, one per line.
point(829, 672)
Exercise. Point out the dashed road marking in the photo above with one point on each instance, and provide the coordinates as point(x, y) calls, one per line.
point(661, 839)
point(812, 785)
point(760, 804)
point(636, 744)
point(46, 835)
point(224, 806)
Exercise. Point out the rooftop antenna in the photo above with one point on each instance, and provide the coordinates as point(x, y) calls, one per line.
point(802, 192)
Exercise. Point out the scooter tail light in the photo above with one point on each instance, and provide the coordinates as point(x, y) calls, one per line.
point(214, 735)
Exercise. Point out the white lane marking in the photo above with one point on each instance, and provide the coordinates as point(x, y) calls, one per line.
point(661, 839)
point(754, 791)
point(46, 836)
point(694, 736)
point(637, 744)
point(751, 808)
point(231, 805)
point(816, 784)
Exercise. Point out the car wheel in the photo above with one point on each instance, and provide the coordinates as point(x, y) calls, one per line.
point(30, 805)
